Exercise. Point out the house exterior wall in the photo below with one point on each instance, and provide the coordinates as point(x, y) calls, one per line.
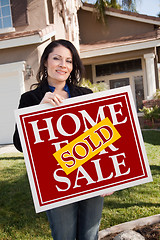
point(30, 54)
point(25, 53)
point(66, 20)
point(28, 16)
point(93, 31)
point(142, 74)
point(59, 26)
point(14, 81)
point(117, 57)
point(134, 33)
point(36, 16)
point(32, 20)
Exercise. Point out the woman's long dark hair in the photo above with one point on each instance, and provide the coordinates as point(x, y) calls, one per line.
point(78, 69)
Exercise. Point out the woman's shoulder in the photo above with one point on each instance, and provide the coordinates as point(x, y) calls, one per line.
point(85, 90)
point(32, 97)
point(31, 93)
point(78, 90)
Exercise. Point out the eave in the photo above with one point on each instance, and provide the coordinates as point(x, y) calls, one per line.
point(125, 14)
point(127, 44)
point(26, 38)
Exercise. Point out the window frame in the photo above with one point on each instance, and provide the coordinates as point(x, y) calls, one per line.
point(7, 29)
point(131, 75)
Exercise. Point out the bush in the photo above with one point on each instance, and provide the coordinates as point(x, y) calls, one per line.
point(157, 94)
point(95, 87)
point(152, 113)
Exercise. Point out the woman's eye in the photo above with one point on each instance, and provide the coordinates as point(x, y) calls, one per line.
point(56, 58)
point(69, 61)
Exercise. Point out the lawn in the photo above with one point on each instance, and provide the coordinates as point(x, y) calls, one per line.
point(140, 201)
point(18, 219)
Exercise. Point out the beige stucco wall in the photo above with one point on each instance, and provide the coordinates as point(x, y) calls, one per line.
point(91, 62)
point(59, 26)
point(30, 54)
point(92, 31)
point(33, 60)
point(149, 76)
point(36, 14)
point(66, 21)
point(117, 57)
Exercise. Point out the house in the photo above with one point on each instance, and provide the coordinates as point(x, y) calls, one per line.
point(26, 27)
point(123, 52)
point(126, 51)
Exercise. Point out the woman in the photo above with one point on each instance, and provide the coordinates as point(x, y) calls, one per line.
point(59, 74)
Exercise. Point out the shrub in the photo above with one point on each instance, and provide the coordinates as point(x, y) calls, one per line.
point(95, 87)
point(152, 113)
point(157, 94)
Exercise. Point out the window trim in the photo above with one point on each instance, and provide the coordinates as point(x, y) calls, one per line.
point(123, 62)
point(11, 28)
point(129, 75)
point(7, 30)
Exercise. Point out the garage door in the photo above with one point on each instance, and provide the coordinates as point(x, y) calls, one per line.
point(11, 87)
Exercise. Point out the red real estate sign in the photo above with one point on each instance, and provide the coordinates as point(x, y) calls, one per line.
point(44, 130)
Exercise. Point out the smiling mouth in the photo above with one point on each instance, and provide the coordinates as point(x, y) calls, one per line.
point(61, 72)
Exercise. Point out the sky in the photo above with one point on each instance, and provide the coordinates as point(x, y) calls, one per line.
point(148, 7)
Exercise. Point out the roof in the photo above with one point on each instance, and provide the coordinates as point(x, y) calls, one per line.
point(125, 14)
point(14, 39)
point(123, 44)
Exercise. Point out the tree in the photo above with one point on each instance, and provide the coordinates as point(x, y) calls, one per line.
point(129, 5)
point(100, 5)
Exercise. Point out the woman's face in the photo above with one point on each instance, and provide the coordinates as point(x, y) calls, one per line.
point(59, 65)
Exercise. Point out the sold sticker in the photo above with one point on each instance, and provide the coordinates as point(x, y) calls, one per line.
point(87, 145)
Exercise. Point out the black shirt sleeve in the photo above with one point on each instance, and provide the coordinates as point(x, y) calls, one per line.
point(27, 99)
point(35, 96)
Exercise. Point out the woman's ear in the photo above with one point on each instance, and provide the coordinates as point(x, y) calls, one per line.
point(45, 64)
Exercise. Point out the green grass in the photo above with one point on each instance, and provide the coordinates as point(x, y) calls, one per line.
point(140, 201)
point(18, 219)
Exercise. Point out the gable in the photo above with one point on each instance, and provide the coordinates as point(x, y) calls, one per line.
point(93, 31)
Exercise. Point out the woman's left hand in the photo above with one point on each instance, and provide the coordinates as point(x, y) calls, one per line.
point(107, 194)
point(52, 98)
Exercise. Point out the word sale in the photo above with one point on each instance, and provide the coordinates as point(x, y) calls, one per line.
point(119, 169)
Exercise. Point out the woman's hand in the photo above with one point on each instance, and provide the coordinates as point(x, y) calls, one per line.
point(107, 194)
point(52, 98)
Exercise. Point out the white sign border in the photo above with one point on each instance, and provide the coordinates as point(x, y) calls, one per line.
point(79, 100)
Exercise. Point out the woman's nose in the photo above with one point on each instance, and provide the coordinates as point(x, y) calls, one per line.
point(63, 63)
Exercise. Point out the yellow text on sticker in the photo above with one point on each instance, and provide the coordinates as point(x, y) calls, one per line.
point(87, 145)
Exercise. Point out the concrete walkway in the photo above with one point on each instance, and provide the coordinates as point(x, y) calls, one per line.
point(8, 148)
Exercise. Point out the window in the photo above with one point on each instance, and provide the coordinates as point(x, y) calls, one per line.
point(5, 14)
point(118, 67)
point(139, 91)
point(119, 83)
point(50, 12)
point(123, 73)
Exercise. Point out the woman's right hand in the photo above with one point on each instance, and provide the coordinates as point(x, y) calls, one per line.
point(52, 98)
